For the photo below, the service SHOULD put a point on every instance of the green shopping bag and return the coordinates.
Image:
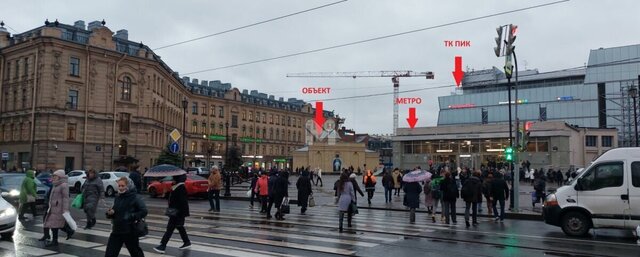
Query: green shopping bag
(78, 202)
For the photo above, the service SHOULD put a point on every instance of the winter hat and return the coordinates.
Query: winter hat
(353, 175)
(60, 173)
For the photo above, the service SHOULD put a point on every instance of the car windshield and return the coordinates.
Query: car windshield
(121, 174)
(16, 181)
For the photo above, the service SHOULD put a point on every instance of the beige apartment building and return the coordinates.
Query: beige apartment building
(80, 98)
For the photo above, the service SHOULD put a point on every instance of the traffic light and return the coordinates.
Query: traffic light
(527, 131)
(511, 37)
(497, 49)
(508, 154)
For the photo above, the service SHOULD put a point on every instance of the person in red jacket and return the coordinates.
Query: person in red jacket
(262, 189)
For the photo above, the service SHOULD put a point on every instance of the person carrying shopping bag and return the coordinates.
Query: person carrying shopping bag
(178, 211)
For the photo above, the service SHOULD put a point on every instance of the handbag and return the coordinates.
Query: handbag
(31, 199)
(141, 228)
(78, 202)
(312, 202)
(72, 223)
(171, 212)
(353, 208)
(249, 193)
(284, 207)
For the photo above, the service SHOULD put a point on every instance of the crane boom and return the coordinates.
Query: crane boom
(362, 74)
(394, 75)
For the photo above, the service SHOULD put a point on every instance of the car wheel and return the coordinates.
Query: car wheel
(575, 224)
(152, 192)
(77, 187)
(7, 236)
(110, 191)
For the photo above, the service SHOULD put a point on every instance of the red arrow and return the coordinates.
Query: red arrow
(319, 118)
(412, 117)
(458, 73)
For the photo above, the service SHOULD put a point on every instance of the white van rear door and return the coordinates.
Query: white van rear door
(633, 220)
(603, 189)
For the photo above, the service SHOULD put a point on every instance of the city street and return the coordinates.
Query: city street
(239, 230)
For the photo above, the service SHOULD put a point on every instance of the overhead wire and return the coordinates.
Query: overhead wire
(378, 38)
(250, 25)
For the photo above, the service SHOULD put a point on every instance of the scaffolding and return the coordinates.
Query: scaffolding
(622, 112)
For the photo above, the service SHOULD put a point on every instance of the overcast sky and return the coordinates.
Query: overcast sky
(549, 38)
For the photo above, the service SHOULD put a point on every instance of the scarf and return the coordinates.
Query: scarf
(60, 181)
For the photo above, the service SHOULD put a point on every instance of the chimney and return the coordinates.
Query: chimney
(185, 80)
(94, 25)
(195, 81)
(122, 34)
(245, 92)
(254, 92)
(271, 97)
(281, 99)
(204, 83)
(79, 24)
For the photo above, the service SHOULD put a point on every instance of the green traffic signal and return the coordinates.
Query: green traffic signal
(508, 153)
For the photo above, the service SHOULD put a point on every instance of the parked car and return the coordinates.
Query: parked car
(202, 171)
(7, 219)
(76, 179)
(46, 178)
(195, 185)
(604, 195)
(109, 181)
(10, 184)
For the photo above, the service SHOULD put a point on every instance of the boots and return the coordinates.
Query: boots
(341, 220)
(54, 238)
(412, 215)
(45, 236)
(349, 218)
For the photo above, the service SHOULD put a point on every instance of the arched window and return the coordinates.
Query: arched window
(125, 94)
(122, 147)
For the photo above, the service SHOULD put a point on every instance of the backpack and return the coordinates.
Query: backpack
(436, 193)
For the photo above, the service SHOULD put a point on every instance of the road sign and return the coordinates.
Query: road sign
(173, 147)
(5, 156)
(175, 135)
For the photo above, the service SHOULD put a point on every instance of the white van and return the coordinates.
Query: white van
(605, 195)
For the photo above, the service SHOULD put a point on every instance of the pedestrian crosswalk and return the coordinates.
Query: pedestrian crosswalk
(237, 231)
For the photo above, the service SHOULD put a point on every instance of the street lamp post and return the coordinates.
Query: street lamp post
(227, 177)
(184, 132)
(209, 150)
(633, 93)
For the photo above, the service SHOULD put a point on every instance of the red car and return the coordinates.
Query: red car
(196, 186)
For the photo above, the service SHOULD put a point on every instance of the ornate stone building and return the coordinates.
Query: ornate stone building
(79, 98)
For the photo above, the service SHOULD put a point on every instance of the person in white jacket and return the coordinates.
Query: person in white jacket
(318, 176)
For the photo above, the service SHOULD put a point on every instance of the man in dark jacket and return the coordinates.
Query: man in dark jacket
(499, 192)
(254, 181)
(450, 193)
(304, 190)
(272, 186)
(137, 179)
(178, 201)
(387, 183)
(280, 191)
(412, 192)
(472, 195)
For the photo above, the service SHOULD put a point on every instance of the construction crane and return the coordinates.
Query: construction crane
(394, 75)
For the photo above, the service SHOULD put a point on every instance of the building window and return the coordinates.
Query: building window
(24, 98)
(270, 118)
(194, 146)
(221, 112)
(213, 110)
(17, 69)
(26, 66)
(204, 109)
(71, 131)
(591, 140)
(250, 116)
(244, 130)
(204, 127)
(543, 113)
(607, 141)
(221, 128)
(234, 121)
(74, 66)
(125, 94)
(194, 109)
(485, 116)
(194, 126)
(264, 118)
(72, 100)
(125, 120)
(212, 129)
(244, 115)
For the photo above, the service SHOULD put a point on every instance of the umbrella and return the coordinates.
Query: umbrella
(164, 170)
(416, 176)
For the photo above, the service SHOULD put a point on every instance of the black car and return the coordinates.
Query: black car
(10, 184)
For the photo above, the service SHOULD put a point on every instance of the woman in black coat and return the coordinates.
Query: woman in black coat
(450, 193)
(280, 191)
(304, 190)
(127, 208)
(412, 192)
(177, 202)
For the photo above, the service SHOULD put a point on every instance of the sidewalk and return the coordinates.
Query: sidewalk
(324, 196)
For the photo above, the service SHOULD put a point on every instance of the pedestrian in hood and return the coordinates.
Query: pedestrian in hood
(369, 182)
(356, 188)
(450, 193)
(304, 190)
(346, 196)
(271, 186)
(58, 204)
(92, 192)
(499, 191)
(472, 196)
(127, 209)
(177, 200)
(28, 194)
(262, 189)
(215, 184)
